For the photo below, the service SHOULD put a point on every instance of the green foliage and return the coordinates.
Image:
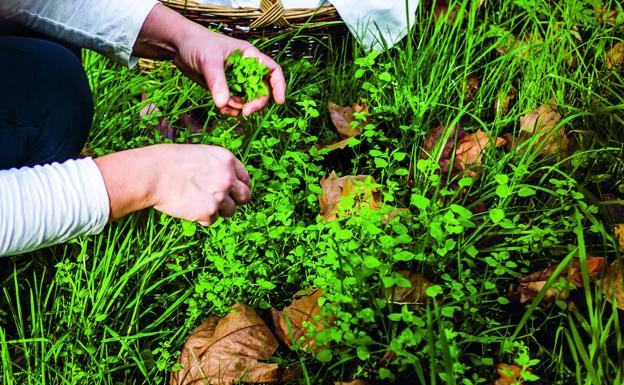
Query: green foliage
(117, 307)
(246, 76)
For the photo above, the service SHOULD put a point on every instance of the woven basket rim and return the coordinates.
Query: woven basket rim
(251, 12)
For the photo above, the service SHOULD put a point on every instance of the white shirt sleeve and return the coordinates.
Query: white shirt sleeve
(44, 205)
(110, 27)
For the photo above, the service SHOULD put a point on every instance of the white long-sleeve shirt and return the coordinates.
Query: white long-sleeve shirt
(44, 205)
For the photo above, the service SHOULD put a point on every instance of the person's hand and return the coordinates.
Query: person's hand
(200, 182)
(201, 54)
(188, 181)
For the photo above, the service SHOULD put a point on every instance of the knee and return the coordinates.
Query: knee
(52, 101)
(69, 102)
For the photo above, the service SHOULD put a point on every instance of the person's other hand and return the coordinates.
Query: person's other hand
(188, 181)
(199, 183)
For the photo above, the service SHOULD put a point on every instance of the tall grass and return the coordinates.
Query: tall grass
(117, 307)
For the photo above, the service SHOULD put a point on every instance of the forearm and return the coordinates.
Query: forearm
(160, 34)
(45, 205)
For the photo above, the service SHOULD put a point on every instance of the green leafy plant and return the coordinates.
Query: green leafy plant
(246, 76)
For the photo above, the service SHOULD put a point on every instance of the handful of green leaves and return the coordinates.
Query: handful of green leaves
(246, 76)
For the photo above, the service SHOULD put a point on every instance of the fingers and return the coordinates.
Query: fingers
(227, 207)
(227, 110)
(209, 215)
(240, 172)
(217, 84)
(276, 75)
(236, 102)
(241, 193)
(234, 107)
(255, 105)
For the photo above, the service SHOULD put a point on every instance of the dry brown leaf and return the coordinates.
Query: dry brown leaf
(414, 295)
(163, 126)
(542, 122)
(441, 8)
(364, 195)
(530, 285)
(339, 145)
(230, 350)
(395, 213)
(434, 136)
(606, 16)
(612, 285)
(472, 87)
(508, 374)
(470, 148)
(388, 357)
(615, 56)
(343, 118)
(504, 101)
(619, 234)
(521, 47)
(288, 324)
(334, 189)
(354, 382)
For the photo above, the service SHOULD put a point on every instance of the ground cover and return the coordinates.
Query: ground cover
(449, 219)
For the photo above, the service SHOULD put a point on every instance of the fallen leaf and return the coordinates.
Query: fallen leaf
(442, 7)
(530, 285)
(230, 350)
(504, 101)
(193, 122)
(354, 382)
(520, 47)
(469, 152)
(344, 118)
(388, 357)
(508, 375)
(288, 324)
(414, 295)
(615, 56)
(605, 15)
(612, 285)
(472, 87)
(395, 213)
(162, 125)
(338, 145)
(334, 189)
(619, 234)
(433, 137)
(542, 122)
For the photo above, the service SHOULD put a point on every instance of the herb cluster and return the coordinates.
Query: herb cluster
(246, 76)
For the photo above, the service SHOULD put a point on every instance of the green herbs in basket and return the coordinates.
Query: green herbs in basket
(246, 76)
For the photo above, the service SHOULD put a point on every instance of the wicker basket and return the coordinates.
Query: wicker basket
(307, 32)
(268, 20)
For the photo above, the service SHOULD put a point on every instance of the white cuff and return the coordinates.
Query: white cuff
(44, 205)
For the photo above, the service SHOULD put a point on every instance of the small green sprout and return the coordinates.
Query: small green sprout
(246, 76)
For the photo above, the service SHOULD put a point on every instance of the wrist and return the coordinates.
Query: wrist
(161, 34)
(131, 180)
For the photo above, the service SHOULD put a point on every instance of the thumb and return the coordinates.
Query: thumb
(215, 80)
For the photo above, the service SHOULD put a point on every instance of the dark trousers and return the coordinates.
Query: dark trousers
(46, 105)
